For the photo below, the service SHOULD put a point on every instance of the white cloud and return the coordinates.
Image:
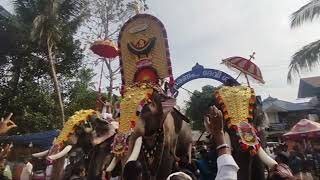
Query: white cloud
(206, 31)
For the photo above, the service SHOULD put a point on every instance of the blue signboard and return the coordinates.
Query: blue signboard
(198, 71)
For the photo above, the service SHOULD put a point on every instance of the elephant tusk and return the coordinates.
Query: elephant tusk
(136, 150)
(40, 154)
(99, 140)
(60, 154)
(112, 165)
(265, 158)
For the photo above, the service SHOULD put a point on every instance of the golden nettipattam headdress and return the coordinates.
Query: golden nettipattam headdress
(238, 104)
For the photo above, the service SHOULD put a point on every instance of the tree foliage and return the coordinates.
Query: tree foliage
(104, 22)
(308, 57)
(198, 105)
(26, 88)
(82, 95)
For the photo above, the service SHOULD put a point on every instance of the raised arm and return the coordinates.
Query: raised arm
(227, 167)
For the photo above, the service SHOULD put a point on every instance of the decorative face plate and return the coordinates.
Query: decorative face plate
(144, 47)
(238, 104)
(134, 98)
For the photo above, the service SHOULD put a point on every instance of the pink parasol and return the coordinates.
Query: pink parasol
(304, 129)
(245, 66)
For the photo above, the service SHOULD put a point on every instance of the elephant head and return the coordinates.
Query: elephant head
(80, 133)
(241, 114)
(156, 134)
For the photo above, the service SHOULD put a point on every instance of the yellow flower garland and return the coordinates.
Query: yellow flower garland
(70, 126)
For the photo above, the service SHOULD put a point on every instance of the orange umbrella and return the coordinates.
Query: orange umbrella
(105, 48)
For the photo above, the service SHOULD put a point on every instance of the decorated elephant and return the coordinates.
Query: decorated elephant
(159, 131)
(83, 133)
(242, 114)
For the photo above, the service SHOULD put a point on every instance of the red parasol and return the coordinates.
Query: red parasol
(245, 66)
(105, 48)
(304, 129)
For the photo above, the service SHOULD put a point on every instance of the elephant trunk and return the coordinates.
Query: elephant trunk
(40, 154)
(136, 150)
(264, 157)
(57, 169)
(60, 154)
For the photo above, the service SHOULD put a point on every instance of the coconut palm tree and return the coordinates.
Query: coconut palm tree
(308, 57)
(50, 18)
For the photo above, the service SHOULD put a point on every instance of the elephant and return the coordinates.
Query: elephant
(159, 135)
(83, 134)
(243, 114)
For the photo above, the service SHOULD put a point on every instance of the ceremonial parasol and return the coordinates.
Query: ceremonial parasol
(304, 129)
(245, 66)
(105, 48)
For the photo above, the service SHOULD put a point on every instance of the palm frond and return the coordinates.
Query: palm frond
(306, 58)
(37, 30)
(308, 12)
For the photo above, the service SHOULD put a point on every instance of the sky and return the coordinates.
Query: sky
(207, 31)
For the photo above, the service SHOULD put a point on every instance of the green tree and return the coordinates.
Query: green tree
(82, 95)
(26, 88)
(198, 104)
(307, 58)
(53, 17)
(107, 17)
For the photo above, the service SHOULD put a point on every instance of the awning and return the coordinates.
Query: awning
(42, 139)
(304, 129)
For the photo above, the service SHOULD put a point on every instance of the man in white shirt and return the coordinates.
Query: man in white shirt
(26, 171)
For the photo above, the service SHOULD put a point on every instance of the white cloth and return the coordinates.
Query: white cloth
(26, 172)
(180, 174)
(227, 168)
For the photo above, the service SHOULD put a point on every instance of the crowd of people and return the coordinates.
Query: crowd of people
(304, 162)
(212, 161)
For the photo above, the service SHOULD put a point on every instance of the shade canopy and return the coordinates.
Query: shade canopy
(304, 129)
(245, 66)
(42, 139)
(105, 48)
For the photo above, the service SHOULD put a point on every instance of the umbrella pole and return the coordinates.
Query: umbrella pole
(238, 75)
(247, 80)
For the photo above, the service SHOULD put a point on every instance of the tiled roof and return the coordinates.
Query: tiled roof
(274, 104)
(313, 81)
